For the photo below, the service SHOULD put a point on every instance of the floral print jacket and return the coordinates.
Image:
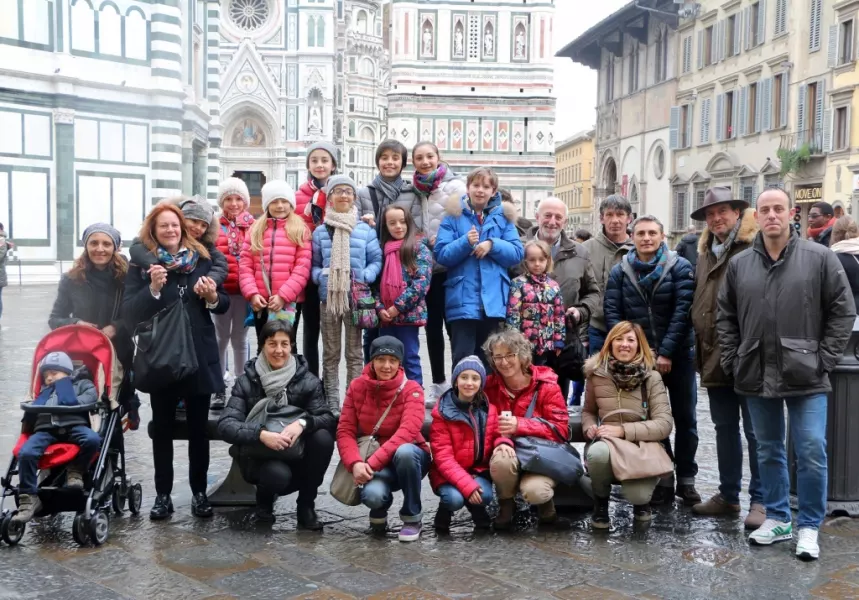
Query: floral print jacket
(412, 303)
(536, 308)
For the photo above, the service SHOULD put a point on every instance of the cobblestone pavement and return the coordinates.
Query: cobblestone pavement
(230, 556)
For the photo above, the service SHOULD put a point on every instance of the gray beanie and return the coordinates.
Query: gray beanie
(106, 229)
(328, 147)
(341, 179)
(56, 361)
(197, 208)
(233, 185)
(277, 189)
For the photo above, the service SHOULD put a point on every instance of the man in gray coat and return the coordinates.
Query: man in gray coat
(785, 315)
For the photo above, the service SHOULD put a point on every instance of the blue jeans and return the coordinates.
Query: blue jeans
(28, 458)
(682, 389)
(578, 390)
(409, 337)
(369, 336)
(726, 409)
(406, 471)
(596, 339)
(807, 417)
(451, 499)
(467, 337)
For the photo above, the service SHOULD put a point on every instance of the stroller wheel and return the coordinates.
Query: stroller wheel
(135, 498)
(80, 533)
(118, 500)
(11, 531)
(99, 526)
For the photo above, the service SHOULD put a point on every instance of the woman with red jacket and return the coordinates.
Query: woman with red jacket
(235, 220)
(403, 458)
(310, 205)
(464, 434)
(275, 261)
(514, 384)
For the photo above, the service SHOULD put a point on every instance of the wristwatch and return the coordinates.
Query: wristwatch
(303, 423)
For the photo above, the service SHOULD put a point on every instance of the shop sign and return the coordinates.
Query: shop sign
(806, 195)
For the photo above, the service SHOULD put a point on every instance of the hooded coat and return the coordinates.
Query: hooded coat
(231, 284)
(477, 288)
(604, 254)
(436, 202)
(550, 405)
(709, 275)
(304, 196)
(687, 247)
(286, 264)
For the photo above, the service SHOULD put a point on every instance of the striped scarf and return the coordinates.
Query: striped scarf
(340, 267)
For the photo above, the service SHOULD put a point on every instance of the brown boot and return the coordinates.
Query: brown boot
(506, 509)
(756, 517)
(716, 505)
(74, 479)
(547, 515)
(28, 506)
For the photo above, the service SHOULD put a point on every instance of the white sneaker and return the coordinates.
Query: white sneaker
(772, 531)
(806, 546)
(436, 391)
(229, 380)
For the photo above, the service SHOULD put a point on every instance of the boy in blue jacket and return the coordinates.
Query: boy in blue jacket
(478, 243)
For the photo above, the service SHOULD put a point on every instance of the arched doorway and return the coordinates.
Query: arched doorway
(609, 179)
(254, 180)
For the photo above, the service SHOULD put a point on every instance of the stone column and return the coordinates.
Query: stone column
(213, 91)
(187, 163)
(64, 164)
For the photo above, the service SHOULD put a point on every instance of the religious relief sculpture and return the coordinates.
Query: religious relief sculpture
(428, 43)
(458, 42)
(314, 122)
(488, 41)
(248, 134)
(519, 50)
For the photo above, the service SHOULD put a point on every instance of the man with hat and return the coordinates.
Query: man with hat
(731, 228)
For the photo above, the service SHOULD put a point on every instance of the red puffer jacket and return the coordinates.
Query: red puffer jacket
(303, 197)
(550, 403)
(230, 242)
(287, 265)
(463, 438)
(366, 400)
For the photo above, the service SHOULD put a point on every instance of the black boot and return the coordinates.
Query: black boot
(265, 507)
(442, 519)
(688, 494)
(642, 512)
(480, 517)
(662, 496)
(162, 508)
(218, 402)
(307, 518)
(200, 506)
(600, 519)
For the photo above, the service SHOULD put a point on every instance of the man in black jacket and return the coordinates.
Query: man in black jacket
(785, 315)
(687, 247)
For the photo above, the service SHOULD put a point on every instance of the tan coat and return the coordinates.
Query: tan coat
(709, 275)
(603, 396)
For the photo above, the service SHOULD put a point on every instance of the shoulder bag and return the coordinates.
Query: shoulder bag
(343, 487)
(274, 419)
(164, 352)
(362, 305)
(557, 460)
(637, 460)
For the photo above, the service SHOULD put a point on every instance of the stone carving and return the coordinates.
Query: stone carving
(519, 51)
(458, 41)
(428, 43)
(488, 41)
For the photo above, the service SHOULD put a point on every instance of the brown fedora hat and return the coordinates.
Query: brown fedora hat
(718, 195)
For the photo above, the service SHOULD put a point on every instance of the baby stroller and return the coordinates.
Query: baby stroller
(106, 485)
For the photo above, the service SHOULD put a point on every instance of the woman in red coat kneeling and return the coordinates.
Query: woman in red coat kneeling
(464, 435)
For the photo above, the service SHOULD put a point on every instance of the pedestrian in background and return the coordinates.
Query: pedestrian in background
(582, 235)
(5, 246)
(821, 219)
(687, 247)
(845, 244)
(785, 316)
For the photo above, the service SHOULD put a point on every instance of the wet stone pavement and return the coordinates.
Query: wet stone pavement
(230, 556)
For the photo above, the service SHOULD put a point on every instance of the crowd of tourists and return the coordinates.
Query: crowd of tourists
(761, 319)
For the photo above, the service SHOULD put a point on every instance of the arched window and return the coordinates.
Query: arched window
(366, 67)
(311, 32)
(352, 175)
(83, 26)
(351, 155)
(320, 32)
(367, 135)
(351, 128)
(136, 38)
(361, 22)
(109, 30)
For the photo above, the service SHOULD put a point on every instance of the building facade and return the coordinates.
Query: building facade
(574, 165)
(476, 79)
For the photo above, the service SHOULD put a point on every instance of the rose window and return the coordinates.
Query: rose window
(249, 15)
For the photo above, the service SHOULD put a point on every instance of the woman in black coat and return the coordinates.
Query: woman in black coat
(845, 244)
(180, 270)
(275, 372)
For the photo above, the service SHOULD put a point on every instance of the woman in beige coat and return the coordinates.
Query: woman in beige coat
(615, 408)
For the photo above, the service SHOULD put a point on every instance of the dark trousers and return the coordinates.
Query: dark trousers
(412, 346)
(436, 325)
(308, 311)
(279, 478)
(261, 318)
(163, 423)
(682, 389)
(550, 360)
(727, 408)
(370, 336)
(34, 448)
(467, 338)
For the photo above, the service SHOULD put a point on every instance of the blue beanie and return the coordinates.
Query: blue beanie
(56, 361)
(470, 363)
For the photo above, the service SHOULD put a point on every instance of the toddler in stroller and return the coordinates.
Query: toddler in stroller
(61, 387)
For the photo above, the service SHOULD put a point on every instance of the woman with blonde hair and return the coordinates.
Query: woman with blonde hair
(845, 244)
(625, 399)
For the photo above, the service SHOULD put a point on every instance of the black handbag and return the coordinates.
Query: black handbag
(557, 460)
(164, 348)
(571, 361)
(275, 420)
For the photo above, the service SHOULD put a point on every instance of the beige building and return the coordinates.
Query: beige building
(574, 167)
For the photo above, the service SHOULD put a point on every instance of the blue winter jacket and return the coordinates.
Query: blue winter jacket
(364, 251)
(477, 288)
(665, 315)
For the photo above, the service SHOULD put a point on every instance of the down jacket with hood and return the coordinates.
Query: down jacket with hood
(463, 436)
(664, 315)
(476, 289)
(436, 203)
(243, 224)
(412, 303)
(304, 196)
(408, 199)
(366, 400)
(365, 255)
(550, 406)
(602, 396)
(286, 264)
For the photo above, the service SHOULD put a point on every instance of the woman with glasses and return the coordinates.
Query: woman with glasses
(514, 384)
(345, 251)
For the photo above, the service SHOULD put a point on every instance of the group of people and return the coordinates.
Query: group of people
(762, 317)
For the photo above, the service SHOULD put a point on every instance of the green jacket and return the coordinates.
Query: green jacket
(604, 254)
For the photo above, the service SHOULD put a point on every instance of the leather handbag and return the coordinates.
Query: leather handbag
(557, 460)
(275, 419)
(164, 352)
(637, 460)
(343, 486)
(571, 361)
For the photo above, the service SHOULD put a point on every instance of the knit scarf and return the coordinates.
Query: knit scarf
(649, 272)
(184, 261)
(274, 381)
(720, 249)
(318, 201)
(626, 376)
(390, 189)
(60, 393)
(235, 231)
(426, 184)
(541, 286)
(340, 269)
(392, 274)
(814, 232)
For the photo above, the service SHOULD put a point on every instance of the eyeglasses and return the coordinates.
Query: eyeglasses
(505, 359)
(343, 193)
(814, 215)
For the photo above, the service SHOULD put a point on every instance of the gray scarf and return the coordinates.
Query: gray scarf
(390, 189)
(340, 266)
(274, 383)
(720, 249)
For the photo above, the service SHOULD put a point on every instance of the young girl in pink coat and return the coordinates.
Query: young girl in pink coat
(275, 263)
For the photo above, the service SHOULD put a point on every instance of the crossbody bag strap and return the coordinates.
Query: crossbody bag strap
(387, 410)
(375, 200)
(530, 412)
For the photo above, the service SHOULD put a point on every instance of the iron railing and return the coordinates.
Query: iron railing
(813, 138)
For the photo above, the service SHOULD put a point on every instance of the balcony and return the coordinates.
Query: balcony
(808, 138)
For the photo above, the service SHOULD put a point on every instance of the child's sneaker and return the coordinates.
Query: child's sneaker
(74, 479)
(411, 532)
(806, 546)
(770, 532)
(28, 506)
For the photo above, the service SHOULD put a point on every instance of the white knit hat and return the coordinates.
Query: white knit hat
(233, 185)
(277, 189)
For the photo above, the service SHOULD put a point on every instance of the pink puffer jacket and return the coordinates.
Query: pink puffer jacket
(287, 265)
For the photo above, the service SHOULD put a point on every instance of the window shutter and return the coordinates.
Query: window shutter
(785, 99)
(734, 115)
(754, 194)
(738, 33)
(800, 109)
(833, 46)
(747, 19)
(780, 16)
(743, 105)
(720, 117)
(687, 54)
(705, 120)
(723, 41)
(674, 128)
(819, 123)
(814, 29)
(759, 104)
(700, 50)
(765, 102)
(762, 21)
(827, 130)
(690, 108)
